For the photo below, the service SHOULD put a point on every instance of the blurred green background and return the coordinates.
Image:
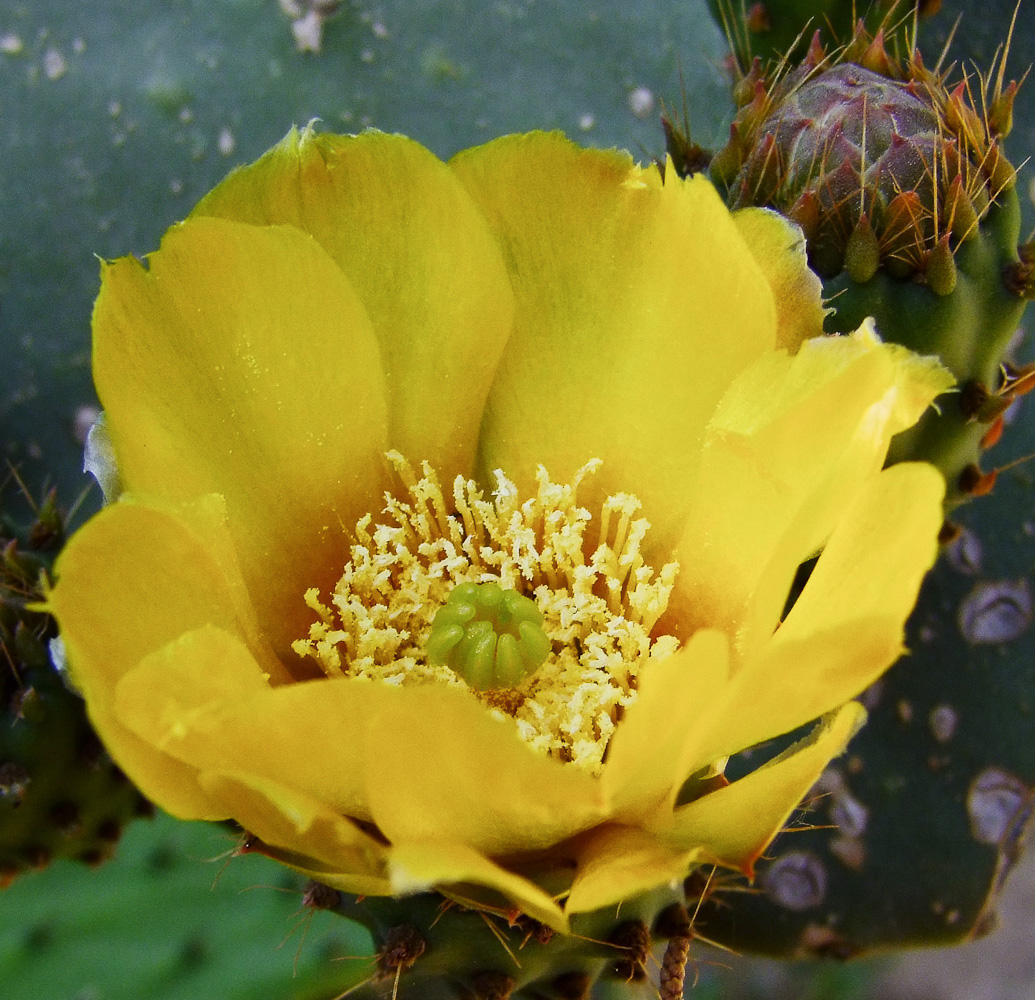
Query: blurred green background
(115, 117)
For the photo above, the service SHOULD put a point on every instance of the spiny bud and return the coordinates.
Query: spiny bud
(941, 268)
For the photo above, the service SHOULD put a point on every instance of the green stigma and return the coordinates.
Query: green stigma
(491, 637)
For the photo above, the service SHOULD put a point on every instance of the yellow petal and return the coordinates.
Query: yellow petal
(240, 362)
(878, 554)
(467, 777)
(734, 825)
(846, 627)
(302, 832)
(177, 696)
(351, 745)
(620, 862)
(419, 256)
(790, 446)
(421, 865)
(644, 756)
(156, 575)
(637, 303)
(779, 247)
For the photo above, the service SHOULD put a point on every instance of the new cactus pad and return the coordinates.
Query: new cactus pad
(60, 794)
(899, 179)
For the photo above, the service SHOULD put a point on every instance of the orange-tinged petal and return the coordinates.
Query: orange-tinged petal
(302, 832)
(159, 574)
(735, 824)
(779, 247)
(416, 866)
(420, 257)
(846, 627)
(637, 304)
(644, 755)
(240, 362)
(619, 862)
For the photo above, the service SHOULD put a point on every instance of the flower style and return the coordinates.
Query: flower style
(461, 508)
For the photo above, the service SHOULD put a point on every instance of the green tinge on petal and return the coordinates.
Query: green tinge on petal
(241, 362)
(637, 303)
(779, 247)
(733, 825)
(421, 259)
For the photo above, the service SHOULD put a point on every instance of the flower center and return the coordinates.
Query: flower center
(541, 610)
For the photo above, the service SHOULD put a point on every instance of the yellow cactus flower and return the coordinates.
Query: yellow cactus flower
(461, 505)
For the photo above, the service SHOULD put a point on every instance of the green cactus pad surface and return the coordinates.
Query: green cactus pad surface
(172, 918)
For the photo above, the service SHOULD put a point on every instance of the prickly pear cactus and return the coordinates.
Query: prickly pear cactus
(176, 916)
(909, 206)
(60, 794)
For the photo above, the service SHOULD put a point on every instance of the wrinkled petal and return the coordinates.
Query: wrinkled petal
(468, 776)
(164, 573)
(735, 824)
(627, 291)
(241, 362)
(420, 258)
(620, 862)
(779, 247)
(352, 745)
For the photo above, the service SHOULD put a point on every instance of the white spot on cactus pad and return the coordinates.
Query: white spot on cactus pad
(54, 65)
(993, 800)
(641, 102)
(943, 720)
(82, 420)
(226, 142)
(796, 881)
(995, 611)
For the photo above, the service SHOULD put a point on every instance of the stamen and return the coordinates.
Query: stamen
(503, 598)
